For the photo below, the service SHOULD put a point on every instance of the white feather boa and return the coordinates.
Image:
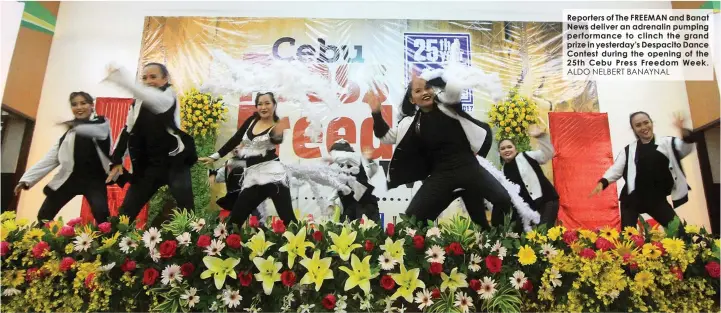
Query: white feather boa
(291, 80)
(319, 174)
(527, 214)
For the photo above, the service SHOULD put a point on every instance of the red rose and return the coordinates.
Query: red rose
(149, 276)
(329, 302)
(40, 248)
(436, 293)
(203, 241)
(570, 236)
(31, 273)
(90, 281)
(387, 282)
(187, 269)
(713, 269)
(588, 253)
(67, 231)
(245, 278)
(105, 227)
(75, 221)
(288, 278)
(528, 286)
(253, 221)
(435, 268)
(369, 246)
(638, 240)
(128, 266)
(390, 229)
(4, 248)
(633, 266)
(278, 226)
(167, 249)
(317, 235)
(603, 244)
(233, 241)
(419, 242)
(660, 247)
(454, 249)
(493, 264)
(66, 263)
(678, 272)
(475, 284)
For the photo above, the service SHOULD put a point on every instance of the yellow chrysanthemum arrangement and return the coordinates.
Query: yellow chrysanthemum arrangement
(512, 116)
(201, 113)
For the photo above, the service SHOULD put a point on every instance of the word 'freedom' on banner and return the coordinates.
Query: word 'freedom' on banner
(637, 45)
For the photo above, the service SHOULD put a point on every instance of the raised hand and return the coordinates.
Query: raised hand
(535, 130)
(678, 120)
(373, 100)
(368, 153)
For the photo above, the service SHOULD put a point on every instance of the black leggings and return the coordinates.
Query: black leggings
(144, 187)
(659, 209)
(93, 190)
(249, 199)
(437, 192)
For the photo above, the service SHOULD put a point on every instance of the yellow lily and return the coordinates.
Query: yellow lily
(360, 275)
(258, 245)
(296, 245)
(454, 281)
(343, 244)
(318, 270)
(408, 282)
(219, 269)
(395, 249)
(268, 274)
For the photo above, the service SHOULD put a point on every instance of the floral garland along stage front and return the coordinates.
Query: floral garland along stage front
(197, 263)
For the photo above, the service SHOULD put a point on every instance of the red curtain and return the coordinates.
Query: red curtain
(116, 110)
(583, 153)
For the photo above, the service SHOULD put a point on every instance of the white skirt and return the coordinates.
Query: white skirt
(268, 172)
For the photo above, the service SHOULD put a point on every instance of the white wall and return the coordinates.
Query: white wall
(89, 34)
(11, 13)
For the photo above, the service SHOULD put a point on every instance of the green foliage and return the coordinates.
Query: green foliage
(673, 227)
(506, 299)
(179, 221)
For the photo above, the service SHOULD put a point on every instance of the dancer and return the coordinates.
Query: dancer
(265, 176)
(82, 153)
(437, 142)
(651, 168)
(361, 201)
(231, 173)
(160, 152)
(524, 170)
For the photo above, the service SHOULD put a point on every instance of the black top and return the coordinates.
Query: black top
(443, 142)
(86, 160)
(653, 179)
(511, 171)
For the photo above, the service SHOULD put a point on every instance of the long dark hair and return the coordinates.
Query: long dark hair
(407, 107)
(163, 71)
(630, 121)
(275, 105)
(88, 98)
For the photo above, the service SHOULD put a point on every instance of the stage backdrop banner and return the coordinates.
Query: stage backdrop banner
(356, 54)
(583, 153)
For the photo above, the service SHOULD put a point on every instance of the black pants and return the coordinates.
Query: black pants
(437, 192)
(249, 199)
(549, 212)
(354, 210)
(144, 187)
(93, 189)
(658, 208)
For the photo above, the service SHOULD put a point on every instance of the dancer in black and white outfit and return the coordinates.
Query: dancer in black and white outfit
(82, 153)
(231, 173)
(265, 176)
(651, 168)
(161, 153)
(437, 142)
(524, 169)
(361, 201)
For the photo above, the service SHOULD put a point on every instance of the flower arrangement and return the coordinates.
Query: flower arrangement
(512, 117)
(199, 263)
(201, 113)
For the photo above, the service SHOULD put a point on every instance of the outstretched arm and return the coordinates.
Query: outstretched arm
(154, 99)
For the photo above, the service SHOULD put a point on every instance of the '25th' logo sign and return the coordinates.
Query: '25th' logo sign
(431, 50)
